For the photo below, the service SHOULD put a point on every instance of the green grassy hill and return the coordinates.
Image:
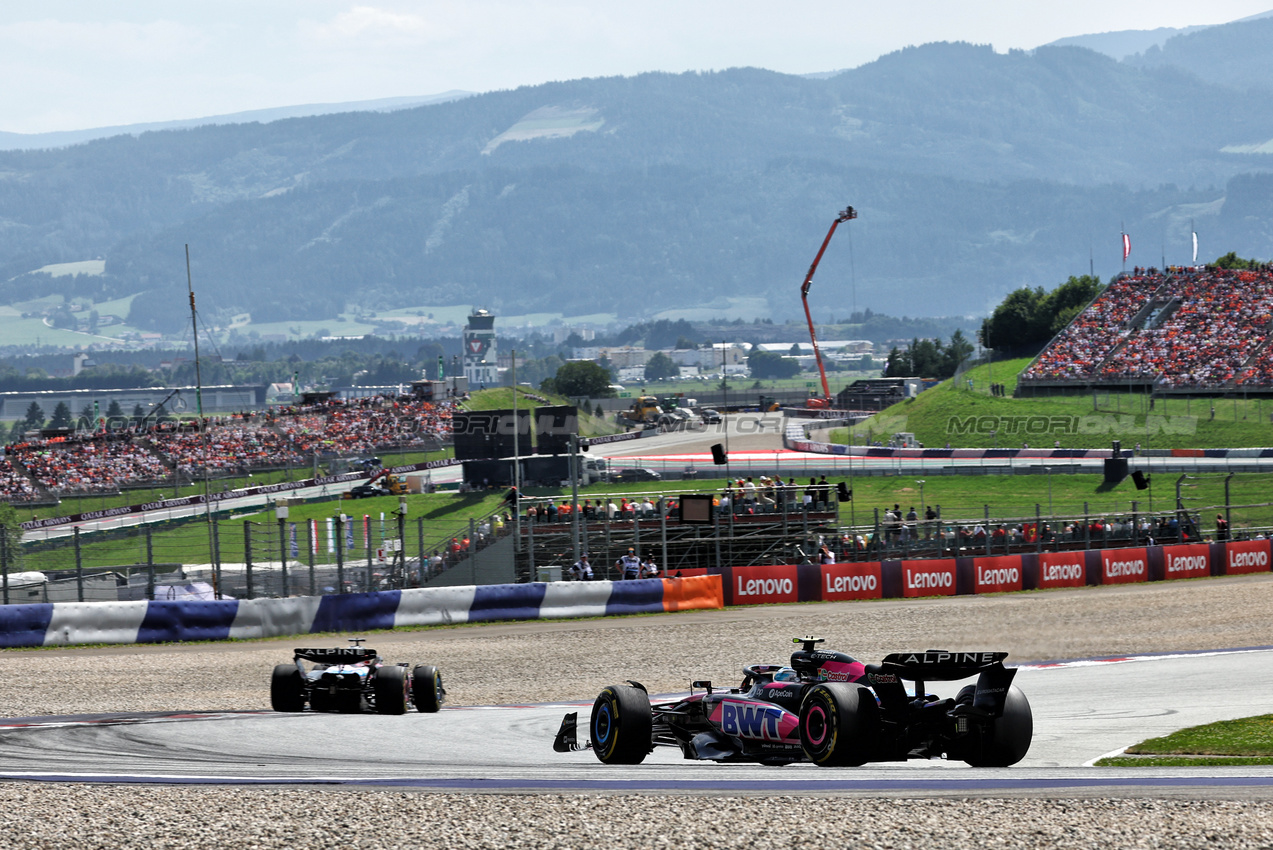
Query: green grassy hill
(965, 416)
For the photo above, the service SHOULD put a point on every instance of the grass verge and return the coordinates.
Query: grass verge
(1245, 741)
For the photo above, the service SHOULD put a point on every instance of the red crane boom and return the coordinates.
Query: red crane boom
(848, 214)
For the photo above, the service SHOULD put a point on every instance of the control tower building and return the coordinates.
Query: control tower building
(479, 351)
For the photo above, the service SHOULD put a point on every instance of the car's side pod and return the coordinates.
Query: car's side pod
(567, 740)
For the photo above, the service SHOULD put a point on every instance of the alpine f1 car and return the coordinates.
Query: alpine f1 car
(351, 679)
(825, 707)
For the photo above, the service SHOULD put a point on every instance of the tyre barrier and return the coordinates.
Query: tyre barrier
(76, 623)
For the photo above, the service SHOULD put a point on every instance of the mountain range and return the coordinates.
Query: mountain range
(973, 173)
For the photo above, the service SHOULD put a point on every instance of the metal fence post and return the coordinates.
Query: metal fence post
(989, 535)
(340, 552)
(663, 532)
(473, 549)
(4, 560)
(716, 534)
(1038, 527)
(216, 557)
(530, 550)
(282, 552)
(79, 566)
(247, 555)
(309, 547)
(366, 535)
(419, 535)
(150, 563)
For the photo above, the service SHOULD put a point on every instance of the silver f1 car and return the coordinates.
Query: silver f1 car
(350, 679)
(825, 707)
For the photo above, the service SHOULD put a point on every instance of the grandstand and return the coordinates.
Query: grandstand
(43, 468)
(1186, 330)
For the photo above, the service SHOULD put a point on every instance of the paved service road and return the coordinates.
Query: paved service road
(1082, 710)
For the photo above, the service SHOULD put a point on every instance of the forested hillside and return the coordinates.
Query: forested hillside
(974, 173)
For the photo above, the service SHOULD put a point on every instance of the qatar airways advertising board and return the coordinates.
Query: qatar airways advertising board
(1192, 560)
(997, 575)
(851, 581)
(1124, 566)
(1062, 569)
(762, 585)
(1246, 556)
(928, 578)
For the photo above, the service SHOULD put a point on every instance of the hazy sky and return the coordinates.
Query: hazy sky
(77, 64)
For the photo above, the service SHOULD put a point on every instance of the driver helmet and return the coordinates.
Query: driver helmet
(786, 674)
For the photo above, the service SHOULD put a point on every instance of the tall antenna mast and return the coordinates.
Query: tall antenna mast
(203, 431)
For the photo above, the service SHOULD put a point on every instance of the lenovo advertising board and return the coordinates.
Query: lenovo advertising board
(928, 578)
(1124, 566)
(1062, 569)
(762, 585)
(851, 581)
(997, 575)
(1246, 556)
(1193, 560)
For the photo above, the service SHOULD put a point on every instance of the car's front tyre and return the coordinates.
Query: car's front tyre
(620, 725)
(426, 688)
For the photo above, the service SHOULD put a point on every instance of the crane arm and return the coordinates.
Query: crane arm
(848, 214)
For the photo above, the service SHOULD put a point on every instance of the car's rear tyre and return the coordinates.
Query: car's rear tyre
(287, 692)
(620, 725)
(426, 688)
(390, 688)
(1006, 739)
(839, 724)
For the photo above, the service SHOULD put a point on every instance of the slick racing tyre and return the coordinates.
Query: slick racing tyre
(287, 692)
(1006, 739)
(621, 724)
(838, 724)
(426, 688)
(390, 688)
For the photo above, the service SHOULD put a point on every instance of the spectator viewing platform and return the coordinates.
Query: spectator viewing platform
(1185, 330)
(134, 456)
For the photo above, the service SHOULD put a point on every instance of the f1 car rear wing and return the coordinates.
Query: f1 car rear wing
(338, 655)
(939, 665)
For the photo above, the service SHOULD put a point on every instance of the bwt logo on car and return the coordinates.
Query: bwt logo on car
(923, 581)
(1186, 563)
(764, 586)
(1114, 569)
(850, 584)
(1010, 575)
(1249, 559)
(1062, 572)
(750, 721)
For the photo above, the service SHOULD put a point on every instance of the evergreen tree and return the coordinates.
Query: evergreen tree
(34, 417)
(61, 416)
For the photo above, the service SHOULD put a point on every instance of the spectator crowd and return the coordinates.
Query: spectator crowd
(106, 461)
(1191, 328)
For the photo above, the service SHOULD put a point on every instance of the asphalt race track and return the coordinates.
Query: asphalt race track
(1082, 711)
